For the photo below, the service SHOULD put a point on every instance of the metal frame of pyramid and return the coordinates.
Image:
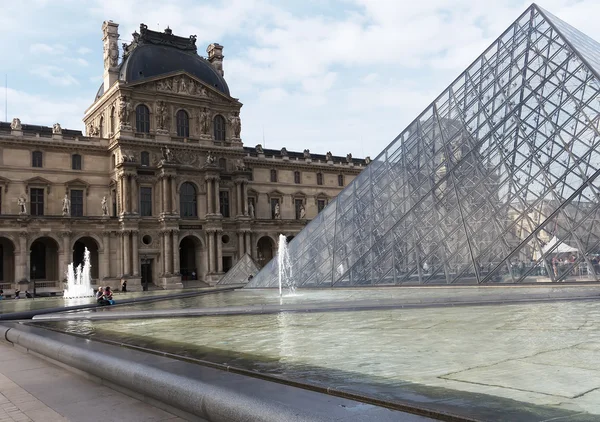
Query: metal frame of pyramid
(503, 161)
(238, 274)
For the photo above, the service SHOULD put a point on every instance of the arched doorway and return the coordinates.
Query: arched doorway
(7, 260)
(289, 238)
(79, 249)
(44, 259)
(266, 250)
(190, 258)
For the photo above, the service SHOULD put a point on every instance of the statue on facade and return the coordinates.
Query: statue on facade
(284, 152)
(164, 85)
(56, 129)
(259, 149)
(94, 130)
(302, 212)
(127, 158)
(124, 110)
(22, 205)
(202, 90)
(162, 115)
(367, 160)
(167, 154)
(236, 124)
(251, 210)
(204, 121)
(240, 165)
(104, 207)
(349, 158)
(306, 154)
(276, 212)
(16, 124)
(66, 206)
(182, 88)
(210, 158)
(329, 156)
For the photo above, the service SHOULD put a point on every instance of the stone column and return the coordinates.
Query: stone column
(211, 251)
(67, 255)
(163, 189)
(135, 196)
(217, 190)
(21, 261)
(248, 237)
(240, 244)
(127, 194)
(105, 263)
(176, 252)
(121, 268)
(209, 196)
(134, 253)
(245, 200)
(168, 252)
(219, 252)
(238, 198)
(173, 197)
(126, 252)
(120, 194)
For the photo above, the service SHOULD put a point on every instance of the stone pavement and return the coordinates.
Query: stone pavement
(32, 389)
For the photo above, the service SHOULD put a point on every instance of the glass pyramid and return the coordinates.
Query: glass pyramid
(239, 273)
(496, 181)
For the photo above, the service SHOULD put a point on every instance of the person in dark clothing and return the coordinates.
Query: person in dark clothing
(124, 286)
(28, 295)
(100, 297)
(107, 296)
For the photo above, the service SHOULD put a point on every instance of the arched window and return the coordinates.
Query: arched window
(101, 128)
(142, 119)
(145, 158)
(274, 176)
(36, 159)
(187, 200)
(76, 162)
(319, 179)
(219, 126)
(112, 121)
(340, 180)
(183, 124)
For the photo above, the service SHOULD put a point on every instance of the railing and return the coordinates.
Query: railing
(42, 284)
(6, 286)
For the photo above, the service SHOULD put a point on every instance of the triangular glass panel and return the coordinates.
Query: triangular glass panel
(241, 272)
(484, 186)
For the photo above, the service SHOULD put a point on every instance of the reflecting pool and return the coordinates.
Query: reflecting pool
(532, 361)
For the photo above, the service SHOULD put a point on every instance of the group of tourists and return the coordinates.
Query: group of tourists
(17, 294)
(104, 296)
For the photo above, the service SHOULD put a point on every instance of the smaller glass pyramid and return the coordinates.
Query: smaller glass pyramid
(496, 181)
(240, 272)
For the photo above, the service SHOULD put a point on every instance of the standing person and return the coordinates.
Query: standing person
(124, 286)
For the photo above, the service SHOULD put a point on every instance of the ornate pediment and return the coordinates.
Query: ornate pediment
(37, 181)
(77, 183)
(182, 83)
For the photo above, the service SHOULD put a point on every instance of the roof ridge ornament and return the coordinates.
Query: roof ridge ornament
(147, 36)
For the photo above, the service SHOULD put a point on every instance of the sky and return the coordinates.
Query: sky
(345, 76)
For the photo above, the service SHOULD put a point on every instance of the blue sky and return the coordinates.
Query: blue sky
(339, 75)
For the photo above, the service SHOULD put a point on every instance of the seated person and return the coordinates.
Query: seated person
(100, 297)
(108, 296)
(17, 293)
(28, 295)
(1, 294)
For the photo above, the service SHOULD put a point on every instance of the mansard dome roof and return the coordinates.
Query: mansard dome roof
(153, 53)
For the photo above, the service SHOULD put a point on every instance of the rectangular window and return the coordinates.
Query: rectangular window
(319, 179)
(340, 180)
(320, 205)
(297, 177)
(275, 211)
(146, 201)
(224, 203)
(76, 162)
(273, 176)
(36, 198)
(36, 159)
(298, 203)
(76, 203)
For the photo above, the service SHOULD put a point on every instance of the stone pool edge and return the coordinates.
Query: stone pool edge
(213, 395)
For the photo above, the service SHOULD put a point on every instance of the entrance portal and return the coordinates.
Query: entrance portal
(266, 248)
(44, 259)
(189, 258)
(7, 260)
(78, 252)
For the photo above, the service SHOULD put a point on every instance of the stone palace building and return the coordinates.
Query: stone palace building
(160, 189)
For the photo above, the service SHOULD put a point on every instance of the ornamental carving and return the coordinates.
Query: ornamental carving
(204, 121)
(124, 111)
(329, 156)
(236, 124)
(15, 124)
(56, 129)
(186, 158)
(259, 149)
(162, 116)
(183, 85)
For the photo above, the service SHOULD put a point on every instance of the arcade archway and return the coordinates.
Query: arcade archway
(44, 259)
(190, 258)
(7, 260)
(78, 252)
(265, 249)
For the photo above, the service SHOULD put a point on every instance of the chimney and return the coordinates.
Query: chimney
(110, 37)
(215, 56)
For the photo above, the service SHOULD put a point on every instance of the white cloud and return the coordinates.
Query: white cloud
(41, 48)
(84, 50)
(55, 75)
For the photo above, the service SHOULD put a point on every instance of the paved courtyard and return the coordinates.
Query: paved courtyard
(32, 389)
